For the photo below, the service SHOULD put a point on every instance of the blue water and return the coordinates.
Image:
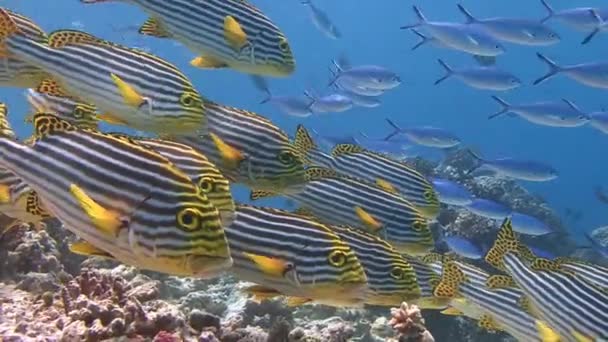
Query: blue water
(371, 35)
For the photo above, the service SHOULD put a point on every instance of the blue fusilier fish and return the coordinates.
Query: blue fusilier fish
(452, 193)
(597, 245)
(367, 76)
(397, 147)
(579, 18)
(599, 120)
(461, 37)
(300, 106)
(463, 247)
(593, 74)
(529, 225)
(514, 30)
(425, 135)
(361, 100)
(332, 103)
(528, 170)
(322, 21)
(488, 209)
(481, 77)
(548, 113)
(352, 86)
(601, 26)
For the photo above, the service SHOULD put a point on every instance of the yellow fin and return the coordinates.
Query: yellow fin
(155, 28)
(61, 38)
(234, 34)
(303, 142)
(45, 124)
(368, 220)
(451, 278)
(546, 333)
(297, 301)
(8, 27)
(580, 337)
(230, 155)
(105, 220)
(208, 62)
(487, 322)
(260, 292)
(111, 119)
(257, 194)
(318, 173)
(271, 266)
(305, 212)
(525, 304)
(499, 281)
(129, 94)
(5, 194)
(87, 249)
(342, 149)
(452, 311)
(386, 186)
(50, 87)
(541, 264)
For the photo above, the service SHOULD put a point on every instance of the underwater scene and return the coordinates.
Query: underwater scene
(303, 170)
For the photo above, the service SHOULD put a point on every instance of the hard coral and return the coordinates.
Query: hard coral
(408, 322)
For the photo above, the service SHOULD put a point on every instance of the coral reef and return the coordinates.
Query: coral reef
(408, 322)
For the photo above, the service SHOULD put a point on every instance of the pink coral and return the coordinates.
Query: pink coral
(408, 321)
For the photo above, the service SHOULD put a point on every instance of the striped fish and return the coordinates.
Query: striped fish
(17, 200)
(292, 255)
(498, 308)
(15, 72)
(263, 157)
(129, 86)
(342, 200)
(223, 33)
(593, 273)
(428, 273)
(576, 309)
(121, 198)
(79, 114)
(393, 175)
(391, 279)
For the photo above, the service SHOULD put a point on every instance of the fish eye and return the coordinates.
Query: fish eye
(284, 45)
(287, 157)
(78, 112)
(418, 225)
(206, 184)
(188, 218)
(397, 273)
(337, 258)
(188, 100)
(429, 195)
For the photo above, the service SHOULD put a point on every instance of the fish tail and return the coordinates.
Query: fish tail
(550, 11)
(469, 17)
(396, 129)
(448, 71)
(423, 39)
(421, 19)
(505, 107)
(336, 74)
(554, 69)
(597, 29)
(477, 157)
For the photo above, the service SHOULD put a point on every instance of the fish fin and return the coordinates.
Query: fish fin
(234, 34)
(257, 194)
(525, 304)
(542, 264)
(550, 11)
(448, 71)
(386, 186)
(47, 124)
(8, 28)
(111, 119)
(433, 257)
(452, 311)
(597, 29)
(506, 242)
(5, 194)
(305, 212)
(488, 323)
(343, 149)
(260, 292)
(554, 69)
(579, 337)
(317, 173)
(421, 19)
(84, 248)
(297, 301)
(499, 281)
(368, 220)
(470, 19)
(34, 206)
(396, 129)
(60, 38)
(303, 141)
(506, 107)
(129, 94)
(271, 266)
(154, 27)
(231, 156)
(423, 39)
(104, 219)
(451, 278)
(51, 87)
(208, 62)
(545, 332)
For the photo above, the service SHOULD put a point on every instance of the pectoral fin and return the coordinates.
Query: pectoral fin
(130, 96)
(155, 28)
(271, 266)
(230, 155)
(208, 62)
(368, 220)
(234, 34)
(5, 194)
(86, 249)
(105, 220)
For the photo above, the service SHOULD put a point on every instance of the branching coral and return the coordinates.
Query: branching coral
(408, 322)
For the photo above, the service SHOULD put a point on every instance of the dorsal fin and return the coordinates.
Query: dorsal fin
(342, 149)
(155, 28)
(61, 38)
(46, 124)
(451, 278)
(6, 131)
(303, 141)
(500, 281)
(51, 87)
(317, 173)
